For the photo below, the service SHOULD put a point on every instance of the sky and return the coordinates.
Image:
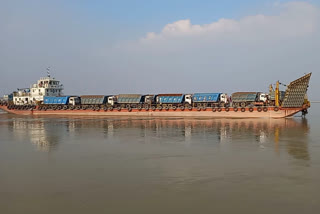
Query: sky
(168, 46)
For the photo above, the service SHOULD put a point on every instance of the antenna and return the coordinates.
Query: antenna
(48, 71)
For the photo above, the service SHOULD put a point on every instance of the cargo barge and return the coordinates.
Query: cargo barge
(46, 98)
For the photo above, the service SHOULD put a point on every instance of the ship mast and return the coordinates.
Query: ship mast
(48, 71)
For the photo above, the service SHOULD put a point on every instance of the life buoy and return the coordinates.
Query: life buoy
(243, 109)
(235, 109)
(214, 109)
(265, 109)
(227, 109)
(276, 109)
(251, 109)
(219, 109)
(259, 109)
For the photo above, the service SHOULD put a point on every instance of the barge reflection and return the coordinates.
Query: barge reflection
(47, 133)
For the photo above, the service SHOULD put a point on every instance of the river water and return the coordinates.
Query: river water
(156, 165)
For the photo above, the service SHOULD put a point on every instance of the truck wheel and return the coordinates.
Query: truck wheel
(243, 109)
(214, 109)
(166, 108)
(219, 109)
(182, 108)
(160, 108)
(251, 109)
(259, 109)
(265, 109)
(276, 109)
(110, 108)
(227, 109)
(119, 108)
(174, 108)
(235, 109)
(190, 108)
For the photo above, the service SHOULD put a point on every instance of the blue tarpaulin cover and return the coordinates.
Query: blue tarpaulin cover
(56, 100)
(205, 97)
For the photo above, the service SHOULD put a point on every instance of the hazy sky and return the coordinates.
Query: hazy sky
(112, 47)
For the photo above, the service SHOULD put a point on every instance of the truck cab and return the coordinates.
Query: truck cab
(188, 99)
(112, 100)
(223, 98)
(74, 101)
(262, 97)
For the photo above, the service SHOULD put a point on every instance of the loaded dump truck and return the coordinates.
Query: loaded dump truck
(174, 99)
(129, 100)
(243, 99)
(62, 102)
(210, 99)
(272, 97)
(93, 101)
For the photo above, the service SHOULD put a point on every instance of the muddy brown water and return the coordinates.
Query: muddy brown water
(157, 165)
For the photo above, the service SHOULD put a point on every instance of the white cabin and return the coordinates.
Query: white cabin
(46, 86)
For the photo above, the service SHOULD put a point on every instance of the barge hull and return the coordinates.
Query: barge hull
(208, 113)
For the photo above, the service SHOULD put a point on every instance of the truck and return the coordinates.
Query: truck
(243, 99)
(272, 97)
(129, 100)
(210, 99)
(173, 101)
(62, 102)
(93, 100)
